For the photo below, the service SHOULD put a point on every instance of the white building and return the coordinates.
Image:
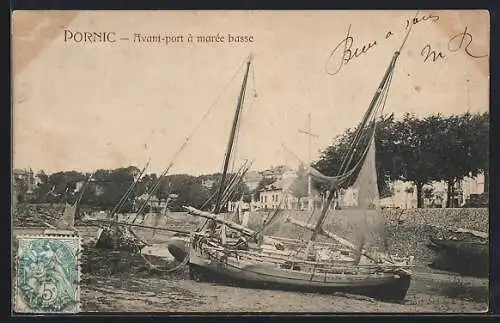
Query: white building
(279, 193)
(473, 186)
(275, 196)
(405, 193)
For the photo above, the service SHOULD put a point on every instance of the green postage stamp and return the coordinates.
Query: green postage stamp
(47, 274)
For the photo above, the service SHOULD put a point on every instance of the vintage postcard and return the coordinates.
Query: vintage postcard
(250, 161)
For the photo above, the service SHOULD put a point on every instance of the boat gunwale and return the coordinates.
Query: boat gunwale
(346, 278)
(234, 252)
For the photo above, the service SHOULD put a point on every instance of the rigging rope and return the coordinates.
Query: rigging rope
(228, 190)
(370, 118)
(408, 32)
(242, 120)
(117, 207)
(188, 138)
(77, 202)
(182, 147)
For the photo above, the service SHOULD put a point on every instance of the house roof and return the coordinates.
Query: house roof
(275, 171)
(276, 186)
(253, 176)
(280, 184)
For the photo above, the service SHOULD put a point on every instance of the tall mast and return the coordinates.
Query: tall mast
(231, 138)
(345, 164)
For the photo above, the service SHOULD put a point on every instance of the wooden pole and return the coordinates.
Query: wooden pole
(231, 139)
(216, 218)
(334, 237)
(117, 223)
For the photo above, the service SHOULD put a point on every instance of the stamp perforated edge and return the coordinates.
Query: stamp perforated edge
(16, 268)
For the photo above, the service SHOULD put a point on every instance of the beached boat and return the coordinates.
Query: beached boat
(338, 265)
(462, 251)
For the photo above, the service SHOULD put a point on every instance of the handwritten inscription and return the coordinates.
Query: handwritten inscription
(460, 41)
(430, 54)
(463, 41)
(346, 50)
(349, 49)
(344, 56)
(416, 20)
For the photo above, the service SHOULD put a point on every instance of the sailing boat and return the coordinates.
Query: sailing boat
(352, 267)
(178, 245)
(115, 235)
(71, 211)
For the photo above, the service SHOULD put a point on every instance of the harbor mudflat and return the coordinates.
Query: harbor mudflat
(117, 281)
(429, 292)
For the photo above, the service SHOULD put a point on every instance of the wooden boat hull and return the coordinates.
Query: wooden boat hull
(464, 257)
(388, 286)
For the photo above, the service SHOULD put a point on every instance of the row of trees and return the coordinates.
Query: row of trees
(107, 187)
(421, 150)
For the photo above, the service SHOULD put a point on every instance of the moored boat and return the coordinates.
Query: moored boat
(352, 258)
(348, 267)
(468, 256)
(254, 269)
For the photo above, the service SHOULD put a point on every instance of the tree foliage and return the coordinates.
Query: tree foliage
(332, 158)
(189, 190)
(109, 186)
(299, 187)
(463, 149)
(421, 150)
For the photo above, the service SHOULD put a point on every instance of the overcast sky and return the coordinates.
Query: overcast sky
(99, 105)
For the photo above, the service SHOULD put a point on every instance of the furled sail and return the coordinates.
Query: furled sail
(350, 209)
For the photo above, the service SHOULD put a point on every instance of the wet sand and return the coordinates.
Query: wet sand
(133, 287)
(123, 289)
(429, 292)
